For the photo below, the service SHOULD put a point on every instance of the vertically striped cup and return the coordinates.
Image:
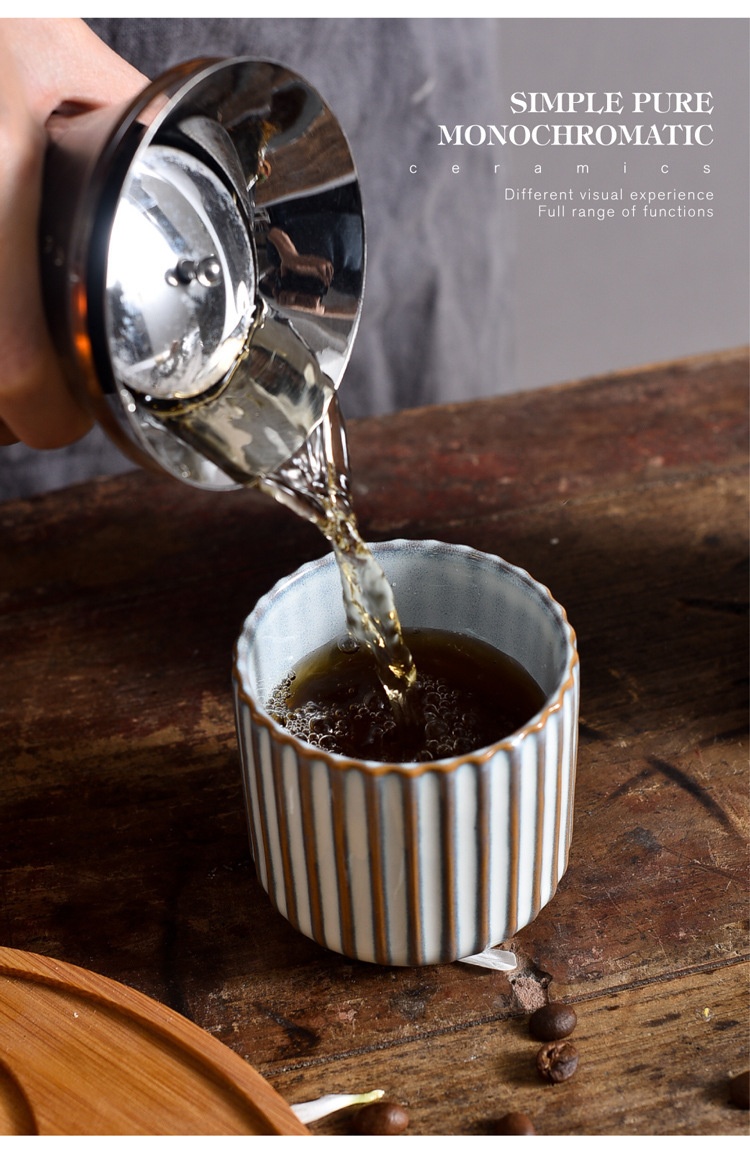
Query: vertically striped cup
(411, 864)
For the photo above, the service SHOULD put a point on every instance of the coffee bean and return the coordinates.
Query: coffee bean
(553, 1021)
(739, 1090)
(513, 1123)
(557, 1061)
(380, 1118)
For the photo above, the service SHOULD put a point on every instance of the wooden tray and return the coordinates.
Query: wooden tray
(82, 1054)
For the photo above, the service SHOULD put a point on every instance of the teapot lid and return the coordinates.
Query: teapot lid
(219, 241)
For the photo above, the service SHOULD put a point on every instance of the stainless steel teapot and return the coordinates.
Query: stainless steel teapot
(203, 259)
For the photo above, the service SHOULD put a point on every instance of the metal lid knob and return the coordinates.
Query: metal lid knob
(180, 291)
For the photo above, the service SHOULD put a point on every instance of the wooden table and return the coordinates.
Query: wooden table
(123, 844)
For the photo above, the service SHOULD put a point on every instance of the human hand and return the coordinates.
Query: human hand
(305, 264)
(48, 68)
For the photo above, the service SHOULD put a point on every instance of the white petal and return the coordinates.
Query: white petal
(492, 959)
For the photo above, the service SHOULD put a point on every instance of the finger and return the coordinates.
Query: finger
(6, 436)
(63, 63)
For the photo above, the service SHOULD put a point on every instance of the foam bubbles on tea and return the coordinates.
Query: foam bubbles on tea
(467, 695)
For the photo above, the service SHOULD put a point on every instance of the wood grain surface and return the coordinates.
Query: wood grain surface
(123, 845)
(81, 1054)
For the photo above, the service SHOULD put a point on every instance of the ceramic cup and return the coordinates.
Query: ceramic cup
(411, 864)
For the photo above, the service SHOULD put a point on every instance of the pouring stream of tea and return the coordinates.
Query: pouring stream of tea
(315, 483)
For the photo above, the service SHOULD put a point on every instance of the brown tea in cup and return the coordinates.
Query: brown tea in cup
(467, 695)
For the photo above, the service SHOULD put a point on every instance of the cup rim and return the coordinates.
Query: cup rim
(411, 769)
